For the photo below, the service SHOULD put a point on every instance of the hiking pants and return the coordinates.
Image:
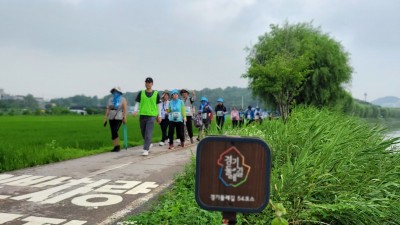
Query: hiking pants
(178, 126)
(189, 126)
(146, 127)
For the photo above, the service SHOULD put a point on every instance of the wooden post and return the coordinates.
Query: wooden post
(229, 218)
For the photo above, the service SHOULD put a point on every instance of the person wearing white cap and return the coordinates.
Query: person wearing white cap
(116, 111)
(148, 104)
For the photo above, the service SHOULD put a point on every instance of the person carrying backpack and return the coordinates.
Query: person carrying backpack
(177, 119)
(205, 111)
(220, 110)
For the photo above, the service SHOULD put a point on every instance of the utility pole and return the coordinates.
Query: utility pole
(365, 97)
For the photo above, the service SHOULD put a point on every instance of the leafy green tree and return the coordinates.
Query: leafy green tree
(30, 102)
(298, 64)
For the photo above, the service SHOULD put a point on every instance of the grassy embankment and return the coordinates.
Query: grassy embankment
(327, 169)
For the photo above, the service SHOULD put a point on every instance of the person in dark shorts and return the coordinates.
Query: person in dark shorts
(116, 111)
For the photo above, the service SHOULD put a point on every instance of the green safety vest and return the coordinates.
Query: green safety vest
(148, 106)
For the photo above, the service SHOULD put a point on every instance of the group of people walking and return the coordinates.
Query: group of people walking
(174, 115)
(172, 110)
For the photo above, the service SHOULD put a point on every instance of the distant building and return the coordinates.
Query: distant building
(78, 110)
(18, 97)
(1, 94)
(5, 96)
(42, 103)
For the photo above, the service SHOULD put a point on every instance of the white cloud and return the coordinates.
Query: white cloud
(213, 13)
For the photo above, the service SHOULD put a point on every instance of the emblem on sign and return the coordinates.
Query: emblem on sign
(233, 170)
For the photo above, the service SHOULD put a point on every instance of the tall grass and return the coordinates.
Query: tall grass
(327, 169)
(334, 169)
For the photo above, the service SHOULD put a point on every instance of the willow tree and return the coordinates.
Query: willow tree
(298, 63)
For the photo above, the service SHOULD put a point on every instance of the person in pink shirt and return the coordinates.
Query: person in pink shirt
(234, 117)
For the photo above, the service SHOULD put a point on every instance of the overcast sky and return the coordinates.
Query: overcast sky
(60, 48)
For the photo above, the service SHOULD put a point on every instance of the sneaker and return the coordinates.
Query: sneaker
(161, 143)
(171, 147)
(151, 145)
(191, 140)
(145, 153)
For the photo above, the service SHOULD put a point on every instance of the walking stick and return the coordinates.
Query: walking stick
(125, 137)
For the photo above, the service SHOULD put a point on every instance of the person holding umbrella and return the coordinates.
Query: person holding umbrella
(116, 111)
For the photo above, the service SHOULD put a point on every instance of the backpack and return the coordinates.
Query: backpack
(198, 120)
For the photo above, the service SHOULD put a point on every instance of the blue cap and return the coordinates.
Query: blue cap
(204, 99)
(174, 92)
(220, 100)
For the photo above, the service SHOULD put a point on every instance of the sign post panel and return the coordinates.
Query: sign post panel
(233, 174)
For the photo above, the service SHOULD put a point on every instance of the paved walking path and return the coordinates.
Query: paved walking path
(100, 189)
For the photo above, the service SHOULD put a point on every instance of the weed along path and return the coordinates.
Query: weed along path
(100, 189)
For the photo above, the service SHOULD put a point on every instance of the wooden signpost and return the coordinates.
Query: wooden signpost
(233, 175)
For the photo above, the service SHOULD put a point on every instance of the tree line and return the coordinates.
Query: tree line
(233, 96)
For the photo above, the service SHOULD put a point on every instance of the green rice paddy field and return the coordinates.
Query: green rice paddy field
(27, 141)
(35, 140)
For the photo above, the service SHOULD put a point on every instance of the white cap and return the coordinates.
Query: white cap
(116, 88)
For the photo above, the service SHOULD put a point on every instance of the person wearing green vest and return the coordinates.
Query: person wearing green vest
(148, 106)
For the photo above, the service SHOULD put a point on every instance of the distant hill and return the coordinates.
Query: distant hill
(389, 101)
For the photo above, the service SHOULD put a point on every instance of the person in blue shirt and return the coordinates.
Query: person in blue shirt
(177, 119)
(205, 110)
(249, 114)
